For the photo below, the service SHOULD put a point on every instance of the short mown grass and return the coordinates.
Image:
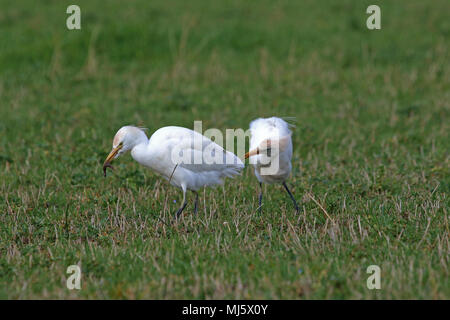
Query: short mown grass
(370, 165)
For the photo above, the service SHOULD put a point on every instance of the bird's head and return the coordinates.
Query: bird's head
(125, 139)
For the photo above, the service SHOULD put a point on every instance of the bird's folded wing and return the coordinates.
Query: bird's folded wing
(193, 151)
(202, 155)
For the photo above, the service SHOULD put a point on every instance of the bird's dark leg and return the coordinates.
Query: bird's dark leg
(260, 196)
(292, 197)
(180, 210)
(196, 202)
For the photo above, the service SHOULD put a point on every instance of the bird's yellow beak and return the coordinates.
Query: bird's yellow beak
(110, 157)
(251, 153)
(265, 145)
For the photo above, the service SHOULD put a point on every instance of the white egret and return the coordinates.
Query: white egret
(271, 149)
(187, 159)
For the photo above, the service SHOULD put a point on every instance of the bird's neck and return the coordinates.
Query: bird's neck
(141, 153)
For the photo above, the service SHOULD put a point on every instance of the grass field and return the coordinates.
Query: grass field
(371, 149)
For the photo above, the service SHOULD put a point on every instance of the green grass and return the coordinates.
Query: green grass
(371, 147)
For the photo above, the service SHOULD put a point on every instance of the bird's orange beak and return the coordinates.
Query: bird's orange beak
(110, 157)
(251, 153)
(264, 145)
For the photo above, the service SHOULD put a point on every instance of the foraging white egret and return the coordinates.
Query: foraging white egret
(187, 159)
(271, 152)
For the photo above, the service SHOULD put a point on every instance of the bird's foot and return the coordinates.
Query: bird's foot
(179, 211)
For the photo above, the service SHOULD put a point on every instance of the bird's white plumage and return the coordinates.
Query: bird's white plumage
(276, 130)
(183, 156)
(195, 165)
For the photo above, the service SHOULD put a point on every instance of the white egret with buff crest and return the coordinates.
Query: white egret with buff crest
(186, 158)
(271, 153)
